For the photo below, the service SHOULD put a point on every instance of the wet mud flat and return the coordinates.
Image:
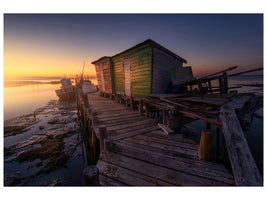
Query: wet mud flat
(44, 148)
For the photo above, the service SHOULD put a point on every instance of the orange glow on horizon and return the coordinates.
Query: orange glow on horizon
(19, 63)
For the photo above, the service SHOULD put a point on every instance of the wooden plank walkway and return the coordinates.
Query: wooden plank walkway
(138, 153)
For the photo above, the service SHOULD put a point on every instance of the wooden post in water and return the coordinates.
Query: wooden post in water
(205, 145)
(102, 136)
(90, 176)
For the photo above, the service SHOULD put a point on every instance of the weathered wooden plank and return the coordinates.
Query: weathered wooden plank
(161, 135)
(124, 175)
(116, 114)
(174, 103)
(134, 129)
(243, 165)
(165, 128)
(178, 150)
(129, 125)
(167, 141)
(153, 157)
(154, 171)
(117, 117)
(120, 122)
(173, 155)
(106, 181)
(106, 108)
(216, 102)
(198, 116)
(132, 133)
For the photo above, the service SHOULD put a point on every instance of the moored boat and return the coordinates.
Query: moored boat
(67, 90)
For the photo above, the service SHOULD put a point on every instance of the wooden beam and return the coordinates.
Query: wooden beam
(243, 165)
(197, 116)
(165, 128)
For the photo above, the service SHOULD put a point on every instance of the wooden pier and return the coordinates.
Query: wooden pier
(135, 151)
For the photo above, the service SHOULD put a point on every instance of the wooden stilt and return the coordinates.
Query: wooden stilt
(91, 176)
(210, 88)
(94, 120)
(102, 135)
(221, 85)
(147, 110)
(140, 107)
(164, 117)
(131, 102)
(225, 83)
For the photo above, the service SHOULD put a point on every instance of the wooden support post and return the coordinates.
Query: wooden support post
(147, 110)
(84, 118)
(102, 135)
(116, 98)
(210, 88)
(174, 121)
(205, 145)
(94, 120)
(140, 107)
(200, 87)
(225, 83)
(131, 102)
(164, 116)
(154, 113)
(90, 176)
(108, 144)
(126, 101)
(221, 86)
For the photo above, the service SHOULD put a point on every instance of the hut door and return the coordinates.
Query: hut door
(102, 77)
(127, 76)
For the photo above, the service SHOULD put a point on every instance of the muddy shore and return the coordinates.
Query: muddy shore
(44, 148)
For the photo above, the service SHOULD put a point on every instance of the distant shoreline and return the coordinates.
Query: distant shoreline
(22, 83)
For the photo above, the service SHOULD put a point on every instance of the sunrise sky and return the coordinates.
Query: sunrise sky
(55, 44)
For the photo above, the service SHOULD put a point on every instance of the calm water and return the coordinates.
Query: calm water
(23, 97)
(19, 100)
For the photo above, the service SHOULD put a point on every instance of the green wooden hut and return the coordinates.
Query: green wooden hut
(138, 71)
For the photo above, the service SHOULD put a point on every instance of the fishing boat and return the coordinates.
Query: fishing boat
(67, 90)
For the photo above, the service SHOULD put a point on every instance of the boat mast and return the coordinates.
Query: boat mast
(82, 72)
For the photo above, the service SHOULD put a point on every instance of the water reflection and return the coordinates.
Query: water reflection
(20, 100)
